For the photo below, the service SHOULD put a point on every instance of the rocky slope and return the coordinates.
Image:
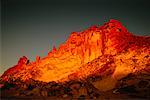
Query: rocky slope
(99, 62)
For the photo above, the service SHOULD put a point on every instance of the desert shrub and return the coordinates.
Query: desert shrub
(8, 86)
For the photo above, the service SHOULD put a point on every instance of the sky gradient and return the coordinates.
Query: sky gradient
(32, 27)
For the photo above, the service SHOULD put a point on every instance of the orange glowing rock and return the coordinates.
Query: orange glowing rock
(89, 52)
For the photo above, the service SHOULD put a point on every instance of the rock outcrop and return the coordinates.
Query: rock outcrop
(97, 60)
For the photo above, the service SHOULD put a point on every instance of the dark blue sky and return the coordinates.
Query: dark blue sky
(32, 27)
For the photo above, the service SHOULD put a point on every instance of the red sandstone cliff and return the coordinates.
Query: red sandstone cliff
(88, 52)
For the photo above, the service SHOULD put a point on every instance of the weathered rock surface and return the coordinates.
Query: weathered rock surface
(99, 63)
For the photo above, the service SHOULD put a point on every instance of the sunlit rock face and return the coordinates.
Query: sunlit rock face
(99, 50)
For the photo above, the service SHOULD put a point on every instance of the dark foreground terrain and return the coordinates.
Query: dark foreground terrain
(135, 87)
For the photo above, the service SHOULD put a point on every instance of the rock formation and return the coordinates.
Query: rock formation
(101, 58)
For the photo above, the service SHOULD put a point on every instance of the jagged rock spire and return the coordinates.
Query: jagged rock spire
(54, 49)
